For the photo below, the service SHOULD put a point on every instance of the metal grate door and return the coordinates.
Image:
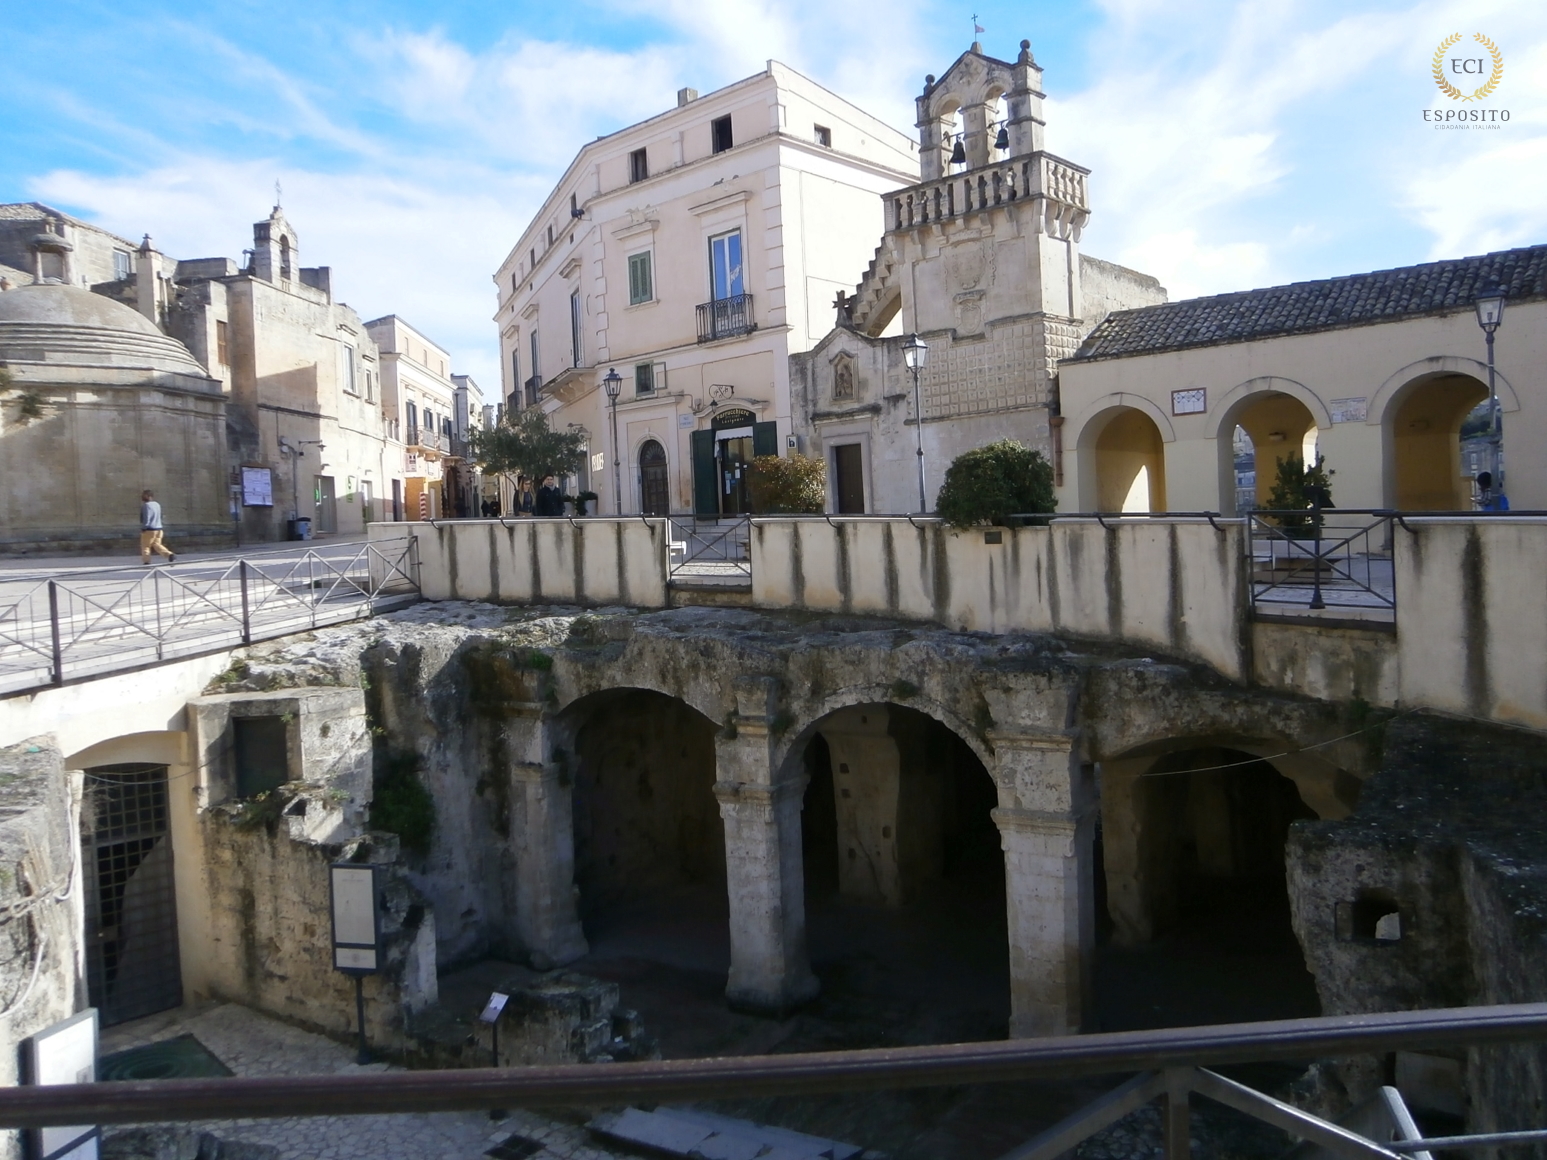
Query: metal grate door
(131, 912)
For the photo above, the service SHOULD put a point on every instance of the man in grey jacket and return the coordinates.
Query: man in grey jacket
(150, 530)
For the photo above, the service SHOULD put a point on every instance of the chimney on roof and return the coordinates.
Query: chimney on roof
(686, 95)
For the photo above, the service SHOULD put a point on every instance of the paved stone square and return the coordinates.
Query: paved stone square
(251, 1044)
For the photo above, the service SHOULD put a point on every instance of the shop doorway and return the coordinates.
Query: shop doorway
(132, 966)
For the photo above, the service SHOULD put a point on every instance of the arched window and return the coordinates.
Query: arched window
(284, 257)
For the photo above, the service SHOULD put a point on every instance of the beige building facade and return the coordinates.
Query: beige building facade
(417, 403)
(1376, 372)
(693, 253)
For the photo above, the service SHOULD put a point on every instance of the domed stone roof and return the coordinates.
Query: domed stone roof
(51, 325)
(59, 305)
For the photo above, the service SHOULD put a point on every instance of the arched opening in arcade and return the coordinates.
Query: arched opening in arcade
(1265, 430)
(1193, 905)
(1438, 437)
(1127, 459)
(904, 877)
(649, 849)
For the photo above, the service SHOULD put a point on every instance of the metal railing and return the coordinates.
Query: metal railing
(1172, 1063)
(84, 626)
(710, 550)
(1307, 561)
(725, 317)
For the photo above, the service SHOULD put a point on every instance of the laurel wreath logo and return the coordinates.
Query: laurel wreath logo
(1450, 90)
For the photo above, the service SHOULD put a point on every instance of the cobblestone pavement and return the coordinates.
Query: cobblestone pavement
(253, 1045)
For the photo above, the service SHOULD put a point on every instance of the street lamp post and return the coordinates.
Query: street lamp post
(1490, 312)
(915, 352)
(613, 384)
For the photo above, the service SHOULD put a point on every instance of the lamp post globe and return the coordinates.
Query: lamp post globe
(612, 383)
(915, 352)
(1490, 314)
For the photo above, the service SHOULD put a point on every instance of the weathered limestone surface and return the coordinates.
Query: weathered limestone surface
(265, 937)
(40, 904)
(493, 705)
(1447, 853)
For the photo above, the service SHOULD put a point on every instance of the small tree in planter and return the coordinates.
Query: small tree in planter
(1295, 488)
(988, 485)
(796, 485)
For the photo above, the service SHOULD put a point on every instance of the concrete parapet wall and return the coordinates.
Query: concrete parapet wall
(1472, 616)
(1178, 584)
(586, 561)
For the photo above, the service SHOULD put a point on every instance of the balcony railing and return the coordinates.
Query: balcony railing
(725, 318)
(534, 387)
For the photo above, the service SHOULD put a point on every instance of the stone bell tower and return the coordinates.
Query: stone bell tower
(981, 259)
(276, 252)
(992, 232)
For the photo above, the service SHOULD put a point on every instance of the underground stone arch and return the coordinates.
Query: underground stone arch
(904, 867)
(646, 822)
(1193, 883)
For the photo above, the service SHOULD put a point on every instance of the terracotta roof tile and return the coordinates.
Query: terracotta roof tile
(1331, 304)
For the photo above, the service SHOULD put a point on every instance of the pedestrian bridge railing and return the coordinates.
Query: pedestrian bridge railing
(1173, 1065)
(91, 625)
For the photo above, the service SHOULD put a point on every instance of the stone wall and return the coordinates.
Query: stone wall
(1472, 636)
(1433, 894)
(263, 861)
(1178, 585)
(589, 561)
(41, 909)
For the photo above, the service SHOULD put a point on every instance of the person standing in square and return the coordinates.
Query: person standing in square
(150, 530)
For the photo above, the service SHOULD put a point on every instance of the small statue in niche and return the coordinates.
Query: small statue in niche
(843, 377)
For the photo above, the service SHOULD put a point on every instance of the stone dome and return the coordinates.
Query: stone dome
(64, 326)
(58, 305)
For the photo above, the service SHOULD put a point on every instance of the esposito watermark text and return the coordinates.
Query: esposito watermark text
(1466, 118)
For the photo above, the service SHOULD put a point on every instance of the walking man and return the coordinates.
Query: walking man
(150, 530)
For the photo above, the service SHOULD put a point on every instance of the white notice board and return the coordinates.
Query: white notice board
(257, 487)
(65, 1053)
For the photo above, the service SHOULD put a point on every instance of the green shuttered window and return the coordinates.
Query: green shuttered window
(640, 284)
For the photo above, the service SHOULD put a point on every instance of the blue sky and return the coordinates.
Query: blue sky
(1234, 143)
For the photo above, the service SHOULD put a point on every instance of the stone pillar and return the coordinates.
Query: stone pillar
(1046, 825)
(770, 970)
(542, 837)
(867, 780)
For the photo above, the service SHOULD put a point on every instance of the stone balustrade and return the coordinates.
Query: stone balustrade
(1060, 185)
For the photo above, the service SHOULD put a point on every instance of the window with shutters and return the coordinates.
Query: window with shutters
(641, 285)
(644, 378)
(638, 166)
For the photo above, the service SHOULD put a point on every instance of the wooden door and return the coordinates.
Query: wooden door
(849, 467)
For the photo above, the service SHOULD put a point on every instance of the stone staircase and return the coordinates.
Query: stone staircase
(877, 290)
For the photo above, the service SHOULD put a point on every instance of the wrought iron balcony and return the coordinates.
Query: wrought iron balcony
(725, 318)
(534, 387)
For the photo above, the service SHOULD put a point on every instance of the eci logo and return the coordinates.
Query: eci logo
(1467, 71)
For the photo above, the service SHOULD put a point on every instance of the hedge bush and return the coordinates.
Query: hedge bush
(796, 485)
(989, 484)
